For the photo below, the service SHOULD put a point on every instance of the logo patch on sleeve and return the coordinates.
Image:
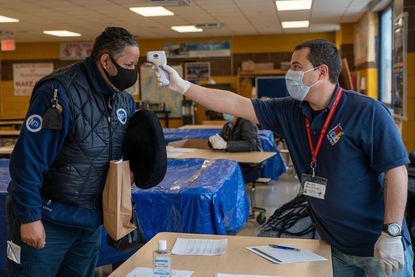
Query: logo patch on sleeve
(122, 115)
(335, 134)
(34, 123)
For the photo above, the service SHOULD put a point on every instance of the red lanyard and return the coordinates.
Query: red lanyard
(314, 151)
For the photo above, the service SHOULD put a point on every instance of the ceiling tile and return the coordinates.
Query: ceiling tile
(239, 17)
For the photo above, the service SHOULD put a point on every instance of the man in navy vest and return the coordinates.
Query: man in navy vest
(75, 125)
(347, 153)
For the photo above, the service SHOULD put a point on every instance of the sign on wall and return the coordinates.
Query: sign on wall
(75, 51)
(25, 76)
(198, 49)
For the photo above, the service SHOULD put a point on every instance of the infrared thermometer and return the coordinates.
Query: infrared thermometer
(159, 58)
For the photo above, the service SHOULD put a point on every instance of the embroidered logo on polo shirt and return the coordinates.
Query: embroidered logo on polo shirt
(34, 123)
(335, 134)
(122, 115)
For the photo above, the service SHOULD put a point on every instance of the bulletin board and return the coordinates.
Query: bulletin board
(152, 93)
(399, 93)
(197, 71)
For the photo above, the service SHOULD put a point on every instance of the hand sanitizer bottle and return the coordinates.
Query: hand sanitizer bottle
(161, 260)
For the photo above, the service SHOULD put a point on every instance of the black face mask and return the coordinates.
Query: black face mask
(124, 79)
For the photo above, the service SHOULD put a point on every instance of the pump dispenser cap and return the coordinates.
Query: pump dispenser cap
(162, 245)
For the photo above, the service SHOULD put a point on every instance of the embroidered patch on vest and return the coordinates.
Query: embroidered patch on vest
(122, 115)
(34, 123)
(335, 134)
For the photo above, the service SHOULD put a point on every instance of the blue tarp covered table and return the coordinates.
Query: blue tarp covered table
(196, 196)
(273, 167)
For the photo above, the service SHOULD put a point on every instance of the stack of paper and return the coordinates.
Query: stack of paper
(148, 272)
(200, 247)
(174, 152)
(283, 256)
(241, 275)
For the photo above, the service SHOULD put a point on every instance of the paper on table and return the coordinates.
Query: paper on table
(283, 256)
(200, 247)
(241, 275)
(174, 152)
(148, 272)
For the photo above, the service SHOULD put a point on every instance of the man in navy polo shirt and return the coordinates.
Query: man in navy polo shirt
(347, 152)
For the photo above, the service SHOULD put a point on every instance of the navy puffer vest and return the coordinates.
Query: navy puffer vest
(77, 176)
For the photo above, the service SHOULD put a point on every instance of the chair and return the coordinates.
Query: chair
(251, 173)
(261, 218)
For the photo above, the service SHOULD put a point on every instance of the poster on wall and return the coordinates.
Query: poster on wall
(152, 93)
(399, 93)
(197, 71)
(198, 49)
(75, 51)
(25, 76)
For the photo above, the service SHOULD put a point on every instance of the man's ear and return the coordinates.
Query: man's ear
(105, 61)
(324, 72)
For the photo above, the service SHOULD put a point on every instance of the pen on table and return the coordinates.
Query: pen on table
(284, 247)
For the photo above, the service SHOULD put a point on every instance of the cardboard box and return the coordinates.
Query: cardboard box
(264, 66)
(190, 143)
(248, 66)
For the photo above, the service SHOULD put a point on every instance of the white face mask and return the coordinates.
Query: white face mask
(295, 85)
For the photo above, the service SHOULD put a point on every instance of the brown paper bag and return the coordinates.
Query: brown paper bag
(116, 200)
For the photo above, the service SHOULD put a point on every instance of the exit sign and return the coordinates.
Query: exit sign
(8, 45)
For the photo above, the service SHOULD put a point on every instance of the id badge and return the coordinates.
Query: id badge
(313, 186)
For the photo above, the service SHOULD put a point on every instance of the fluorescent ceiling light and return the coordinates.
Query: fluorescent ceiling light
(5, 19)
(295, 24)
(62, 33)
(152, 11)
(186, 29)
(293, 5)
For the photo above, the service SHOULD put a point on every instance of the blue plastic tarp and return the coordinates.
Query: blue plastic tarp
(273, 167)
(196, 196)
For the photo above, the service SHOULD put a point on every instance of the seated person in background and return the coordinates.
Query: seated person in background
(239, 135)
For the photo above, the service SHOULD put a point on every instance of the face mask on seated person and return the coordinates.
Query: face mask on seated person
(124, 79)
(227, 117)
(295, 86)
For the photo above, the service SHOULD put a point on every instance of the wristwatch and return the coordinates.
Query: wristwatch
(393, 229)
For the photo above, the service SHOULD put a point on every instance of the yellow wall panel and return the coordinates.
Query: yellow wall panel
(14, 106)
(41, 50)
(408, 128)
(372, 82)
(233, 80)
(411, 86)
(244, 44)
(410, 147)
(347, 31)
(411, 108)
(338, 38)
(410, 62)
(371, 75)
(408, 132)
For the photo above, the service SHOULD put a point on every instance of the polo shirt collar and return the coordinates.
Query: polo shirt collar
(306, 109)
(336, 91)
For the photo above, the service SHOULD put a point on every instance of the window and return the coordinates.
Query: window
(385, 56)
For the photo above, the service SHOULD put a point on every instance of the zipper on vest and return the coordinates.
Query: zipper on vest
(110, 140)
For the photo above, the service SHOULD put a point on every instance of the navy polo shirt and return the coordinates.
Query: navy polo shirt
(362, 142)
